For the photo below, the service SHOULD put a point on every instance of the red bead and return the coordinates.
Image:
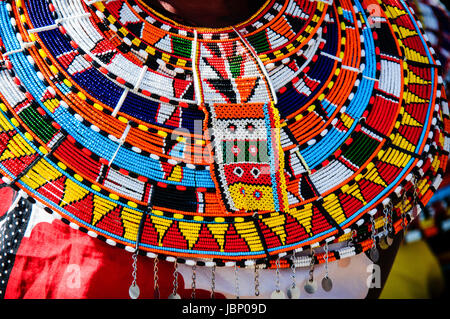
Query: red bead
(86, 151)
(142, 179)
(162, 185)
(71, 139)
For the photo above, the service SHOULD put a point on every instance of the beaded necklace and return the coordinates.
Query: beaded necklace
(310, 124)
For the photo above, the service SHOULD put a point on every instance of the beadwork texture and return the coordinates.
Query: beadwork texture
(284, 132)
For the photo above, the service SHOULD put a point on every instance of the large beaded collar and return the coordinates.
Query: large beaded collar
(309, 124)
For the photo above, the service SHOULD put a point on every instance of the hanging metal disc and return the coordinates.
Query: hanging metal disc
(278, 295)
(293, 292)
(327, 284)
(310, 287)
(134, 291)
(174, 296)
(390, 239)
(383, 243)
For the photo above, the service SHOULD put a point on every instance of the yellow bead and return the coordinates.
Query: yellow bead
(157, 212)
(162, 133)
(114, 196)
(15, 122)
(44, 151)
(98, 107)
(62, 166)
(132, 204)
(143, 127)
(81, 96)
(28, 136)
(122, 119)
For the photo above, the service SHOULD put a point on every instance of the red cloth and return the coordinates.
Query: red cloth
(56, 261)
(6, 196)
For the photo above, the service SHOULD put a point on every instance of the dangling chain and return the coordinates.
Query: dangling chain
(256, 281)
(193, 284)
(236, 281)
(311, 266)
(387, 212)
(293, 269)
(175, 279)
(373, 234)
(327, 283)
(403, 212)
(415, 196)
(213, 281)
(310, 286)
(326, 259)
(134, 273)
(278, 274)
(155, 278)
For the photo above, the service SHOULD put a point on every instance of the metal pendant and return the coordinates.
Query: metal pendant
(156, 294)
(134, 291)
(293, 292)
(389, 239)
(414, 211)
(383, 243)
(386, 242)
(310, 287)
(174, 296)
(374, 255)
(278, 294)
(327, 284)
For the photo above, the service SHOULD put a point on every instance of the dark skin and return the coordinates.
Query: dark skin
(215, 14)
(222, 13)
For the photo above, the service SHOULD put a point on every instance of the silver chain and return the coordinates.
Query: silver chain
(277, 263)
(213, 281)
(389, 217)
(311, 266)
(385, 220)
(403, 212)
(326, 259)
(175, 279)
(256, 281)
(134, 273)
(155, 277)
(293, 268)
(372, 236)
(193, 284)
(236, 281)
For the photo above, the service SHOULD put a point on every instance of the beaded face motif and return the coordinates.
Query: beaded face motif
(289, 130)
